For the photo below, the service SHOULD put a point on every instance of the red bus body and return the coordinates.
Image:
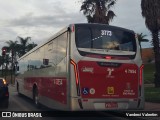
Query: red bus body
(71, 76)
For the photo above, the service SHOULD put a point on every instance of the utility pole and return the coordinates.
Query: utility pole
(3, 58)
(2, 64)
(12, 66)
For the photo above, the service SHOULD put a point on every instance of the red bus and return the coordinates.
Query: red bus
(84, 67)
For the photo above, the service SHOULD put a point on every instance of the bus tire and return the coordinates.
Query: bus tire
(36, 97)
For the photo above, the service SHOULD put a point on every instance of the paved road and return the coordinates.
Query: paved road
(22, 104)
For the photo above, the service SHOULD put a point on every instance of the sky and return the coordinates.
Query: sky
(40, 19)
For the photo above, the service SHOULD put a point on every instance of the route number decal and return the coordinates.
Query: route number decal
(106, 33)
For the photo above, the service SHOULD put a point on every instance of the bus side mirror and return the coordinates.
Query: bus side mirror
(69, 29)
(17, 68)
(16, 71)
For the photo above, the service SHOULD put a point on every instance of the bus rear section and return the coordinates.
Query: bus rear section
(106, 69)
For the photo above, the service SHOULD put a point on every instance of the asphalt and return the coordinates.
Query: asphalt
(149, 106)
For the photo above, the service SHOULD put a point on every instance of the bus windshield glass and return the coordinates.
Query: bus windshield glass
(102, 38)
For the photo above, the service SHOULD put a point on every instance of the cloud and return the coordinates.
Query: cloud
(40, 19)
(128, 15)
(37, 19)
(29, 20)
(48, 13)
(42, 27)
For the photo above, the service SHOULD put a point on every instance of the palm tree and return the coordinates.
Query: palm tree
(1, 64)
(1, 60)
(23, 45)
(12, 46)
(31, 46)
(141, 38)
(98, 11)
(151, 13)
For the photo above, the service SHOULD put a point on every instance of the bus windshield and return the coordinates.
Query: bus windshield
(105, 38)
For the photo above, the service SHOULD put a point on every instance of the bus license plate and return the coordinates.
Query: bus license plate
(111, 105)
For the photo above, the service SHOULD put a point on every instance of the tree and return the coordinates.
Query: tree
(23, 45)
(2, 63)
(16, 49)
(12, 46)
(98, 11)
(19, 49)
(151, 13)
(31, 46)
(141, 38)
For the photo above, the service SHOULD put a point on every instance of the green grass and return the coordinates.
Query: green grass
(149, 70)
(152, 94)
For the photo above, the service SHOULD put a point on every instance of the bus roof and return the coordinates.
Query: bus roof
(95, 24)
